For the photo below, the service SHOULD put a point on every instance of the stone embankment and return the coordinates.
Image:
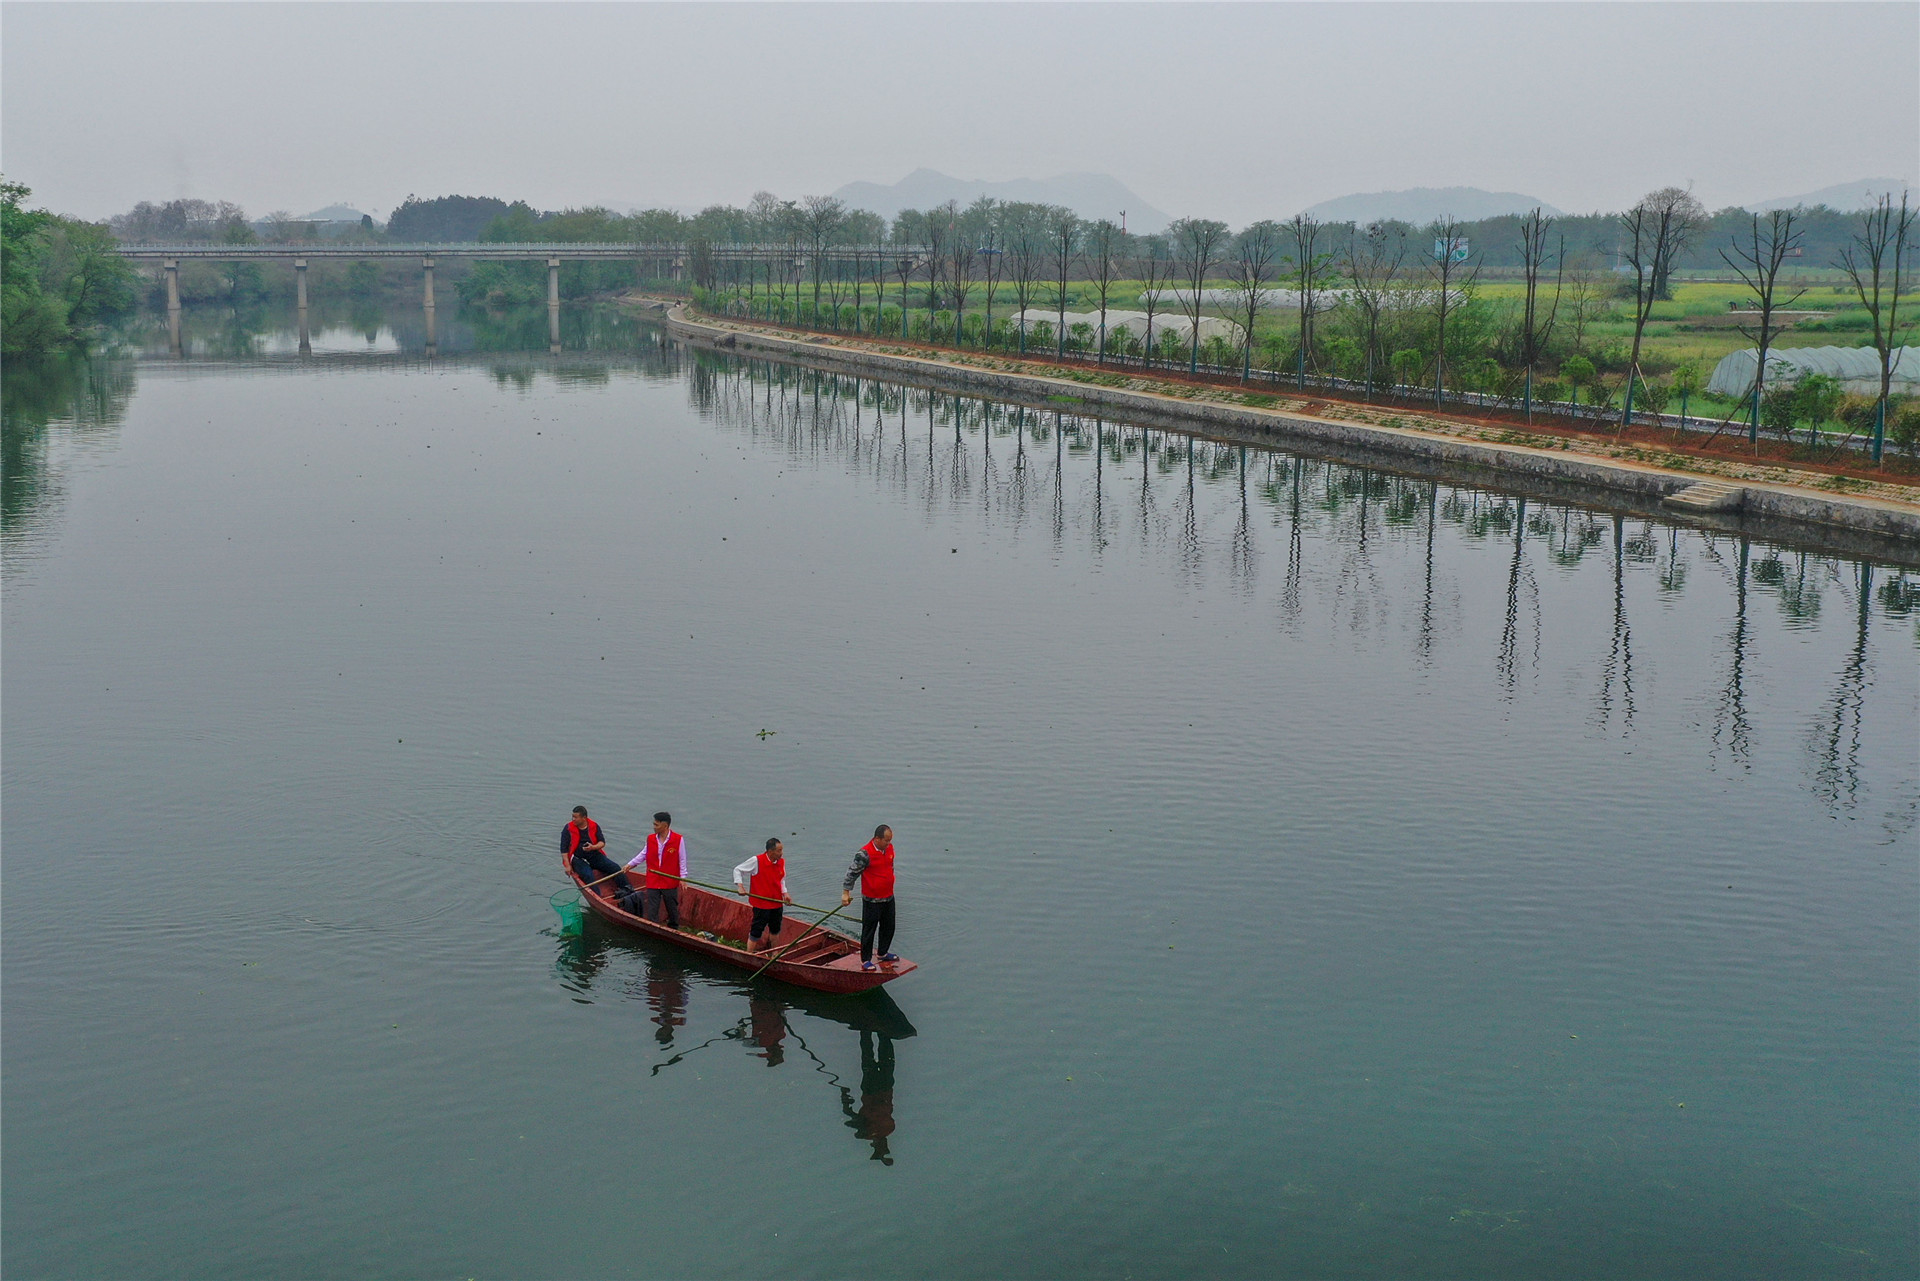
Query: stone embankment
(1874, 519)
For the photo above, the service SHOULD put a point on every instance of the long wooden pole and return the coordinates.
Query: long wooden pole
(796, 943)
(718, 889)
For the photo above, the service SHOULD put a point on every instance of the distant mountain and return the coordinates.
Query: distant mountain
(334, 213)
(1419, 205)
(1091, 195)
(1845, 197)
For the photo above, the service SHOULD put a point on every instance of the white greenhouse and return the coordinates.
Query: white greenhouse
(1856, 368)
(1135, 323)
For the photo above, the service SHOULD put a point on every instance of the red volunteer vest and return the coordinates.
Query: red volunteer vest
(764, 889)
(876, 879)
(579, 838)
(662, 856)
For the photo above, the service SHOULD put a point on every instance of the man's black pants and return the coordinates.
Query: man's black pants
(593, 865)
(664, 903)
(876, 914)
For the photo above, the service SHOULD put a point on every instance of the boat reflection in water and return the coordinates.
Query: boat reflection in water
(665, 980)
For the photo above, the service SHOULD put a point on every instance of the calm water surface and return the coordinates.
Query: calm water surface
(1315, 872)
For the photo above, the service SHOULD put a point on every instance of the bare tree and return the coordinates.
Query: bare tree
(1308, 264)
(789, 223)
(1452, 271)
(1373, 261)
(836, 275)
(938, 237)
(1878, 261)
(859, 269)
(1684, 217)
(1026, 251)
(986, 211)
(821, 218)
(1155, 269)
(1063, 241)
(908, 232)
(1536, 329)
(1586, 295)
(1199, 241)
(1251, 269)
(961, 258)
(1756, 257)
(1649, 229)
(1104, 247)
(904, 265)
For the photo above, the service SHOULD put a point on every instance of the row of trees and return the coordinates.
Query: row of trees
(1374, 304)
(1382, 304)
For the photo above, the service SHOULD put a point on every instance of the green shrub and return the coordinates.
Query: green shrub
(1780, 408)
(1819, 398)
(1903, 427)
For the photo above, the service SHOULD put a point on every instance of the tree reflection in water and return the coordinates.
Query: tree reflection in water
(1349, 518)
(52, 410)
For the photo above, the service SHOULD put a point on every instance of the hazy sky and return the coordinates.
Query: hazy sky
(1232, 111)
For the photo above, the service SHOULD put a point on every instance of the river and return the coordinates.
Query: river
(1314, 872)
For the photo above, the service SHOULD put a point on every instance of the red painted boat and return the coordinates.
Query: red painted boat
(825, 960)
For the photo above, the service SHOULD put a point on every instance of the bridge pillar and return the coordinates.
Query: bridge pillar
(300, 300)
(172, 266)
(553, 305)
(433, 336)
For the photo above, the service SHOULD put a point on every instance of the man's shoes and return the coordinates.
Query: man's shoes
(868, 965)
(891, 958)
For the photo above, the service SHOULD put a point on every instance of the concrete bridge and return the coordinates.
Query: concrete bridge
(673, 258)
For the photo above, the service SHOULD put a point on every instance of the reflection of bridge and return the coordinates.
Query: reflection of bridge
(669, 259)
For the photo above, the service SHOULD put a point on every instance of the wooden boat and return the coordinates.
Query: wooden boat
(826, 960)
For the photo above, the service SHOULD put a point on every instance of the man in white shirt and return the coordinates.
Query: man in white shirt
(763, 879)
(665, 857)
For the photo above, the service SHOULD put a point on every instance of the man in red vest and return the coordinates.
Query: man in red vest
(763, 879)
(873, 865)
(665, 857)
(586, 847)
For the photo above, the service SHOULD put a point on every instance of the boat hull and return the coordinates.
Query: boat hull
(826, 960)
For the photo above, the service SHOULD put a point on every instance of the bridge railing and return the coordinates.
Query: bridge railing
(505, 249)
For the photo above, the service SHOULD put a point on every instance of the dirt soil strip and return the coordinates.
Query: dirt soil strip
(1865, 517)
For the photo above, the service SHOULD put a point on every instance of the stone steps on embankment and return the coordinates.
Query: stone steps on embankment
(1709, 496)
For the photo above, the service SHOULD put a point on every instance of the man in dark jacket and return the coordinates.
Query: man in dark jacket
(873, 868)
(586, 847)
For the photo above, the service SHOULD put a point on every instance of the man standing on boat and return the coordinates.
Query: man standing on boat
(665, 856)
(586, 847)
(763, 879)
(873, 866)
